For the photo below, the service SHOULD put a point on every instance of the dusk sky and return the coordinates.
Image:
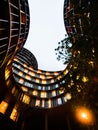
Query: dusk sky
(46, 30)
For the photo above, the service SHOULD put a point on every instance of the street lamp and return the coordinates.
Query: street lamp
(85, 116)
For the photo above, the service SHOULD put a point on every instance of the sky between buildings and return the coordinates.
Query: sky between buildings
(46, 30)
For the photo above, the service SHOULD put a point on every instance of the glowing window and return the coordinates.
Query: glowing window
(20, 73)
(43, 94)
(42, 76)
(49, 103)
(37, 103)
(44, 81)
(3, 107)
(7, 74)
(53, 93)
(13, 90)
(26, 70)
(24, 89)
(59, 101)
(26, 99)
(28, 77)
(35, 93)
(43, 103)
(14, 115)
(31, 73)
(37, 80)
(21, 80)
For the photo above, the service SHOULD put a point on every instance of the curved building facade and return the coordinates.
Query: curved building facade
(32, 83)
(14, 27)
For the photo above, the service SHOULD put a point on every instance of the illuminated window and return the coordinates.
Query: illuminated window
(35, 93)
(43, 103)
(39, 71)
(7, 74)
(61, 90)
(52, 80)
(37, 80)
(43, 94)
(39, 87)
(20, 73)
(56, 73)
(65, 99)
(24, 89)
(28, 77)
(44, 81)
(59, 77)
(68, 96)
(47, 73)
(53, 93)
(59, 101)
(8, 82)
(37, 103)
(49, 103)
(14, 115)
(21, 80)
(26, 99)
(26, 70)
(13, 90)
(42, 76)
(25, 65)
(31, 73)
(3, 107)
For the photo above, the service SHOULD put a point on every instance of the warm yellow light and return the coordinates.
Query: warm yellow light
(3, 107)
(49, 103)
(26, 70)
(37, 103)
(31, 73)
(24, 89)
(61, 90)
(20, 73)
(7, 74)
(43, 95)
(35, 92)
(14, 115)
(68, 96)
(84, 115)
(38, 80)
(13, 90)
(26, 99)
(85, 79)
(28, 77)
(66, 71)
(42, 76)
(21, 80)
(56, 73)
(52, 80)
(43, 103)
(44, 81)
(77, 77)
